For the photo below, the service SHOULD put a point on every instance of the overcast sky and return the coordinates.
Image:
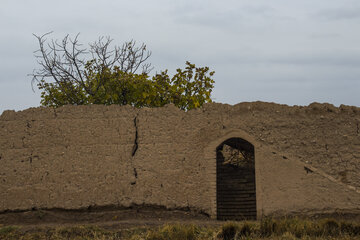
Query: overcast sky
(288, 52)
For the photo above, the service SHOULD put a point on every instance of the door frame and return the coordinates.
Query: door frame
(210, 157)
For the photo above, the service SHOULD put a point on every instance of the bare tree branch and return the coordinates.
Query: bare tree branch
(66, 62)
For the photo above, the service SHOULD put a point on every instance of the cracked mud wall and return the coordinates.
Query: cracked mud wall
(80, 156)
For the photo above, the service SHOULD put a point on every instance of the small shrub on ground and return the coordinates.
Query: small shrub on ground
(330, 227)
(350, 229)
(237, 230)
(267, 227)
(229, 231)
(175, 232)
(246, 230)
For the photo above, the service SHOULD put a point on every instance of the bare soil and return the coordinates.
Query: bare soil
(115, 218)
(110, 218)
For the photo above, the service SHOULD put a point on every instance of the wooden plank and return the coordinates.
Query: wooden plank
(237, 209)
(225, 211)
(237, 200)
(236, 205)
(236, 189)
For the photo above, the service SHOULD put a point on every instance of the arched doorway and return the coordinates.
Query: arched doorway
(235, 180)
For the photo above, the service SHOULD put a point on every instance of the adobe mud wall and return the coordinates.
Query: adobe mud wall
(307, 159)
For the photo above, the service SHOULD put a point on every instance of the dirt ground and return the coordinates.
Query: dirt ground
(105, 217)
(114, 218)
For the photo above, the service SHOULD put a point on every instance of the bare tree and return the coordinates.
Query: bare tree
(65, 62)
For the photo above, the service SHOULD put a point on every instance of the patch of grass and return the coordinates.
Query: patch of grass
(175, 232)
(294, 226)
(7, 229)
(8, 232)
(237, 230)
(350, 229)
(268, 228)
(229, 231)
(301, 228)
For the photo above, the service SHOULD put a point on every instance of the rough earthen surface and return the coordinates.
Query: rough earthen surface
(307, 158)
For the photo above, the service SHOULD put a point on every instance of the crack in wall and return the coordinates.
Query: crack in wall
(23, 142)
(308, 170)
(135, 148)
(28, 134)
(136, 176)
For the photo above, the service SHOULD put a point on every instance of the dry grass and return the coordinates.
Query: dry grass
(290, 228)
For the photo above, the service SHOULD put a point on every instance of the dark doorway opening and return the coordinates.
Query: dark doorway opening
(235, 180)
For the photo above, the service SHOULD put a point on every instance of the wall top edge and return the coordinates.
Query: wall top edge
(100, 111)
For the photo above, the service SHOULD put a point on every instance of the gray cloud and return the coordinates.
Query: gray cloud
(324, 35)
(292, 52)
(339, 14)
(334, 60)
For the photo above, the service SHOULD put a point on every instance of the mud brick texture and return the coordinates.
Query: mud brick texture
(307, 158)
